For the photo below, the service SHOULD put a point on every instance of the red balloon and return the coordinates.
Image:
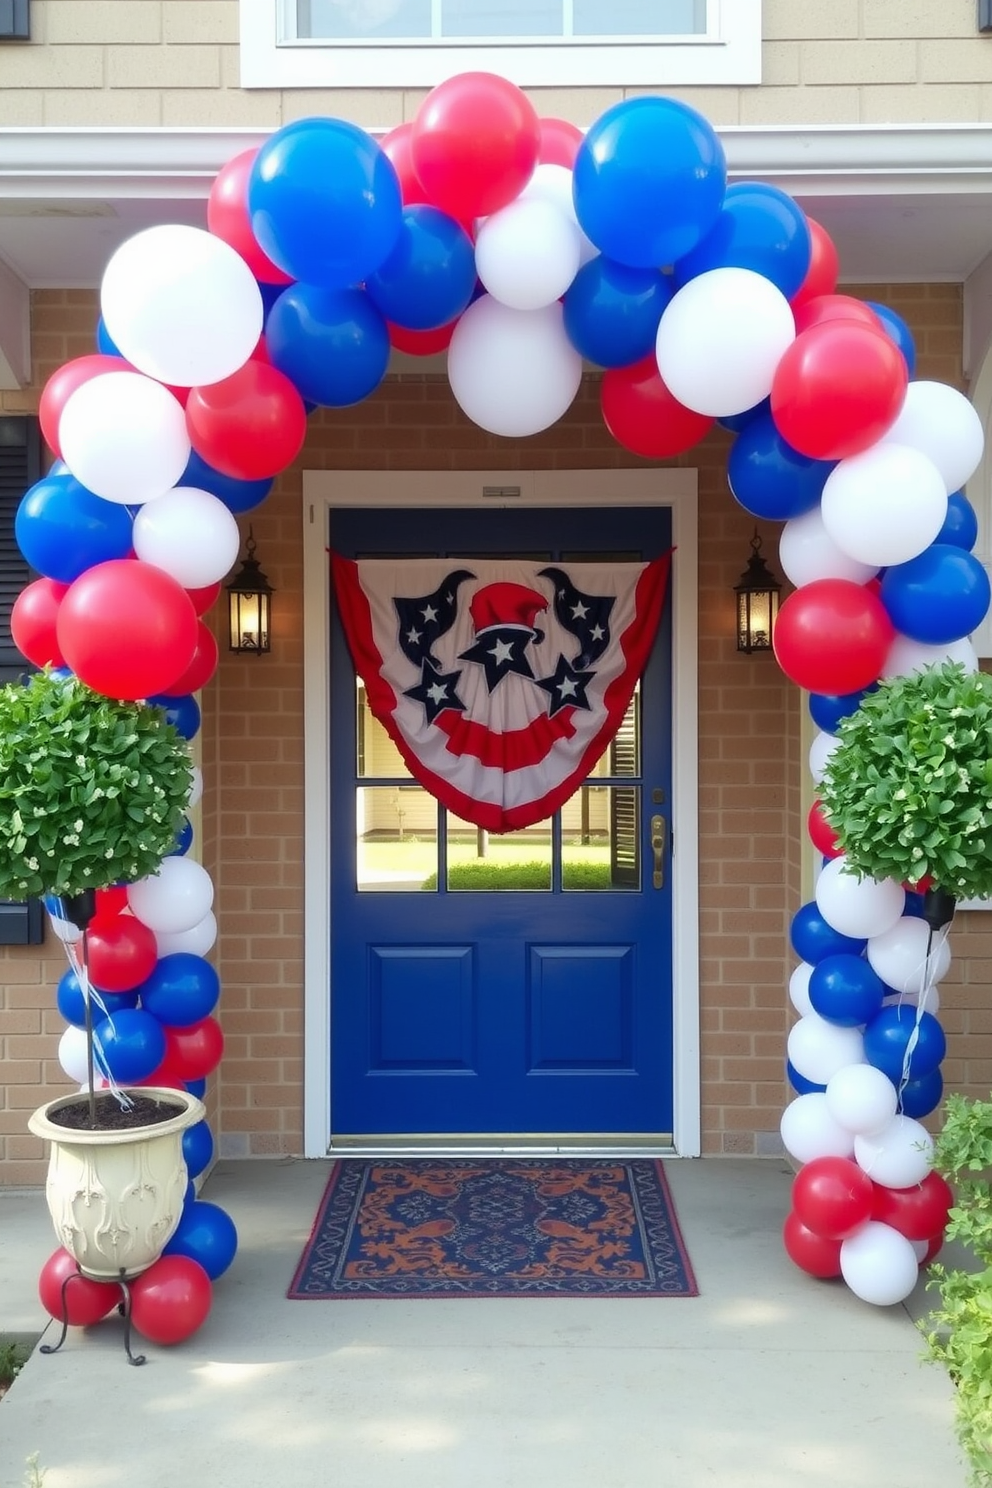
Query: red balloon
(62, 384)
(250, 425)
(832, 1196)
(86, 1301)
(832, 636)
(34, 622)
(227, 217)
(126, 628)
(933, 1249)
(833, 307)
(397, 145)
(920, 1212)
(194, 1051)
(111, 902)
(812, 1253)
(202, 599)
(421, 343)
(474, 143)
(200, 669)
(824, 266)
(821, 833)
(171, 1299)
(644, 416)
(122, 953)
(560, 142)
(838, 388)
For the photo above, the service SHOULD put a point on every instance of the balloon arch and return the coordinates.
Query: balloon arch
(523, 246)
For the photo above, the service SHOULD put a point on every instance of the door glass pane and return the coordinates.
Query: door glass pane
(396, 829)
(375, 753)
(600, 839)
(350, 20)
(480, 862)
(639, 17)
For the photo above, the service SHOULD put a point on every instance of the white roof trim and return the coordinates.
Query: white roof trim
(812, 160)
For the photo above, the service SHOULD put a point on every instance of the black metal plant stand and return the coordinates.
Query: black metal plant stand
(123, 1307)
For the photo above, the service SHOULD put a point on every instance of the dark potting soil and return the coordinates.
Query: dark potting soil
(144, 1111)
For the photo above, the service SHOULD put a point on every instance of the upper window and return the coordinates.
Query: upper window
(537, 43)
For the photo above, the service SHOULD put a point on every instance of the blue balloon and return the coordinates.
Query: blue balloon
(429, 277)
(182, 712)
(896, 328)
(915, 905)
(888, 1037)
(63, 529)
(828, 708)
(769, 478)
(206, 1233)
(184, 840)
(736, 422)
(189, 1197)
(612, 311)
(181, 990)
(197, 1087)
(649, 181)
(237, 495)
(961, 523)
(845, 990)
(324, 202)
(198, 1148)
(799, 1082)
(131, 1044)
(760, 228)
(918, 1098)
(103, 340)
(332, 343)
(937, 597)
(813, 939)
(72, 1004)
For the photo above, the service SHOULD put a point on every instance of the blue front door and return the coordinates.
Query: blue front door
(501, 985)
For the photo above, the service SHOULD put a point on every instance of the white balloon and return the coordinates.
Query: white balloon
(181, 305)
(861, 1098)
(879, 1264)
(553, 183)
(190, 534)
(124, 437)
(72, 1054)
(920, 1248)
(196, 788)
(854, 906)
(527, 253)
(884, 506)
(198, 940)
(513, 372)
(809, 1130)
(807, 552)
(899, 956)
(939, 421)
(906, 656)
(820, 750)
(818, 1049)
(799, 989)
(897, 1155)
(175, 898)
(720, 339)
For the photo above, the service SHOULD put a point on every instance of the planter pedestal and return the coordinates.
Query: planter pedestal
(116, 1197)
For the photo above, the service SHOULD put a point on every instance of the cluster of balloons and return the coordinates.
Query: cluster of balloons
(168, 1301)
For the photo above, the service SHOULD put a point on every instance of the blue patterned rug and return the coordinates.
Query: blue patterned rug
(495, 1227)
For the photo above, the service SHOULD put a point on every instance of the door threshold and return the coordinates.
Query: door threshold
(504, 1144)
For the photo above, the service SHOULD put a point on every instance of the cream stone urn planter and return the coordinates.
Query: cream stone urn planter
(116, 1195)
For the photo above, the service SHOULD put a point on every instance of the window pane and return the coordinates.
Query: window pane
(481, 863)
(396, 827)
(348, 20)
(639, 18)
(600, 839)
(375, 752)
(501, 18)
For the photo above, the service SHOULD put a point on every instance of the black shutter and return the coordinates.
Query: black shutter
(20, 467)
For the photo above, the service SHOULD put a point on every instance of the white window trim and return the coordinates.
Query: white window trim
(729, 54)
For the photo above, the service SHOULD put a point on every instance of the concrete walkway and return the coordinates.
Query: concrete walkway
(766, 1380)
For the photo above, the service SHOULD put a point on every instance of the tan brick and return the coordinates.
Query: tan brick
(919, 18)
(861, 62)
(964, 61)
(163, 67)
(920, 103)
(785, 20)
(126, 106)
(200, 21)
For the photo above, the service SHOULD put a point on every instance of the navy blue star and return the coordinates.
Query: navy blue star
(436, 690)
(500, 649)
(586, 616)
(567, 688)
(422, 621)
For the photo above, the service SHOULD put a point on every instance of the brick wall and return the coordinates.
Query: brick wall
(752, 784)
(175, 62)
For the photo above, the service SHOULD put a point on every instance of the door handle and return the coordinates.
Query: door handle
(659, 832)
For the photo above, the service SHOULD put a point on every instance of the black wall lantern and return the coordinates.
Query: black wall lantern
(757, 602)
(249, 597)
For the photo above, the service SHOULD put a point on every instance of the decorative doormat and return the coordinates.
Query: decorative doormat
(495, 1227)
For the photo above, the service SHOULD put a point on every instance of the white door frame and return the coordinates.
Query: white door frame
(484, 490)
